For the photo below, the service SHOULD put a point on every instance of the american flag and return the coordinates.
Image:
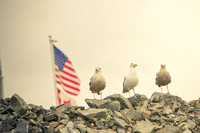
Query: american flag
(67, 81)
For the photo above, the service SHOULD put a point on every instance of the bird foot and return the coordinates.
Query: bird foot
(136, 94)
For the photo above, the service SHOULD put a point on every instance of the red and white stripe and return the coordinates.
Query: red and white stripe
(68, 79)
(64, 99)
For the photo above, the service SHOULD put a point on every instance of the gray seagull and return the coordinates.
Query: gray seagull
(97, 82)
(163, 77)
(131, 80)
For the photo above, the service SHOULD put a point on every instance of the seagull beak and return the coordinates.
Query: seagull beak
(136, 65)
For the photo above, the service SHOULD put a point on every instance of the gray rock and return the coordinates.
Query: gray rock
(167, 111)
(95, 103)
(121, 123)
(138, 100)
(183, 119)
(54, 124)
(48, 129)
(4, 128)
(22, 127)
(30, 115)
(125, 103)
(135, 115)
(168, 129)
(18, 104)
(99, 124)
(187, 131)
(70, 124)
(70, 127)
(61, 116)
(154, 118)
(93, 113)
(3, 108)
(63, 130)
(50, 117)
(89, 130)
(155, 106)
(64, 121)
(120, 130)
(191, 124)
(3, 116)
(113, 106)
(117, 114)
(62, 107)
(81, 128)
(143, 127)
(166, 99)
(175, 108)
(156, 97)
(184, 103)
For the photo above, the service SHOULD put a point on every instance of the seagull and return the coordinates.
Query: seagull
(97, 82)
(163, 77)
(131, 80)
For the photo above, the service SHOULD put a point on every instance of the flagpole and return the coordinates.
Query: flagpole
(1, 83)
(53, 67)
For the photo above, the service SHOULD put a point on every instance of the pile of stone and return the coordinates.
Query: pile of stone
(162, 113)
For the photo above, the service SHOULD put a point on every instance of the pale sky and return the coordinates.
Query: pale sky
(106, 33)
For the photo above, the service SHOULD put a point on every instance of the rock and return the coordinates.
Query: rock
(135, 115)
(64, 122)
(4, 128)
(118, 115)
(187, 131)
(155, 107)
(191, 124)
(154, 118)
(30, 115)
(165, 99)
(162, 113)
(99, 124)
(22, 127)
(121, 123)
(48, 129)
(3, 117)
(182, 119)
(63, 130)
(93, 113)
(138, 100)
(167, 111)
(18, 104)
(156, 97)
(54, 124)
(70, 127)
(62, 108)
(3, 102)
(168, 129)
(120, 130)
(113, 106)
(81, 128)
(143, 127)
(94, 103)
(50, 117)
(125, 103)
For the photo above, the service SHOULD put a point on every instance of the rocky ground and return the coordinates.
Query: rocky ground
(162, 113)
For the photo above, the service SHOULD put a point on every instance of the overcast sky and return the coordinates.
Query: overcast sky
(110, 34)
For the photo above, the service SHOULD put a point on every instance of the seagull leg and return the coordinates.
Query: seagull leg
(94, 95)
(101, 95)
(167, 89)
(129, 93)
(161, 89)
(134, 93)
